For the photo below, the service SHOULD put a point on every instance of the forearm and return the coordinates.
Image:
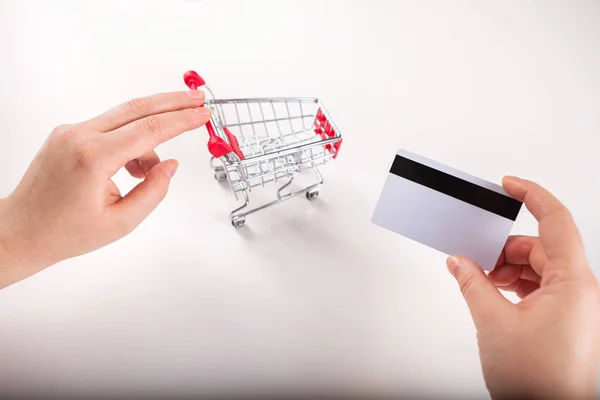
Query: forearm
(7, 269)
(11, 270)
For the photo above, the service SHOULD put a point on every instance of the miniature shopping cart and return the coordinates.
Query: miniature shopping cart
(264, 140)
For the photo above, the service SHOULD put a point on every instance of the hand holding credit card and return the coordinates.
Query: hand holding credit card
(446, 209)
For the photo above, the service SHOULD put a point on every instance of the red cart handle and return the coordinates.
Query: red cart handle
(193, 80)
(216, 145)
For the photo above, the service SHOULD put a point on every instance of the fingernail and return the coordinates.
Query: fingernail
(204, 111)
(453, 264)
(511, 178)
(195, 94)
(171, 171)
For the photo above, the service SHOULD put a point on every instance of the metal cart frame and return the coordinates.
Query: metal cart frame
(263, 140)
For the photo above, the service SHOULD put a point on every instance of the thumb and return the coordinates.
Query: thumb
(483, 298)
(147, 195)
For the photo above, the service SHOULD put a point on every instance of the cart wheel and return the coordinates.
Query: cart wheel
(220, 175)
(312, 195)
(238, 222)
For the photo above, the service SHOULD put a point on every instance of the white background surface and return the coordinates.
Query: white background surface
(309, 295)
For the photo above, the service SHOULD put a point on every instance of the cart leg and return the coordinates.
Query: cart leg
(279, 196)
(212, 162)
(312, 192)
(220, 173)
(238, 218)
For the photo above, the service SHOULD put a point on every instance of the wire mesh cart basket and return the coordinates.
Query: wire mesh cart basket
(259, 141)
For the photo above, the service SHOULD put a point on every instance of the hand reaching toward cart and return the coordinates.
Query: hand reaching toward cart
(547, 346)
(67, 205)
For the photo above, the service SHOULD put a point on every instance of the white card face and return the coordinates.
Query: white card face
(446, 209)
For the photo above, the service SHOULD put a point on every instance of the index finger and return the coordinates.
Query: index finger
(558, 233)
(139, 108)
(142, 136)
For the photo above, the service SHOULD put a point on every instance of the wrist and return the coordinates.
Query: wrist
(7, 261)
(12, 265)
(569, 380)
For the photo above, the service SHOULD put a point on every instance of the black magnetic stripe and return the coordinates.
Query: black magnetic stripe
(458, 188)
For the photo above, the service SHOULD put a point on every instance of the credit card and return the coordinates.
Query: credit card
(446, 209)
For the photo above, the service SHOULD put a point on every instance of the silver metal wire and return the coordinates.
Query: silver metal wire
(277, 138)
